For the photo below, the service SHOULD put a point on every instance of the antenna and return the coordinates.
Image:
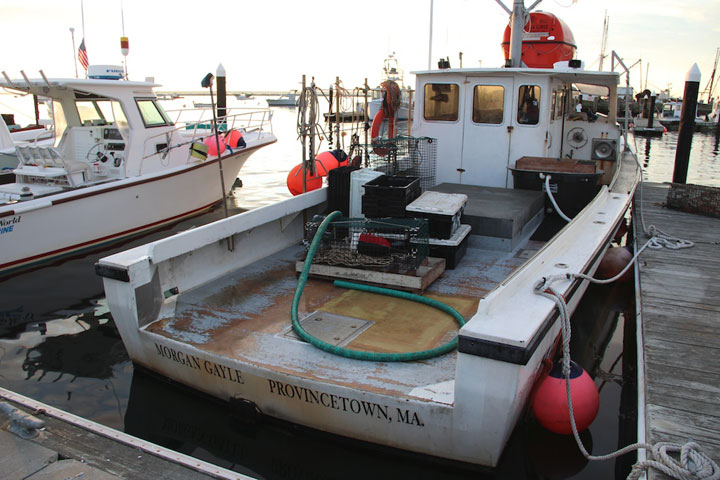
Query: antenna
(603, 44)
(709, 87)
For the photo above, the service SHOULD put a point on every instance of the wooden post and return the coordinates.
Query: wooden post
(687, 125)
(337, 112)
(221, 95)
(651, 111)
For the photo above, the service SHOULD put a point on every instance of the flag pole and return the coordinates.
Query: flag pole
(124, 46)
(72, 34)
(82, 15)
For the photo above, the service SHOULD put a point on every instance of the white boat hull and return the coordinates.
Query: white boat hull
(66, 223)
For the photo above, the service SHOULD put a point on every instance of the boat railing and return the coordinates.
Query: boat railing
(187, 132)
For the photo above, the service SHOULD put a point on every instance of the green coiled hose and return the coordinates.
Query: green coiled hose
(359, 354)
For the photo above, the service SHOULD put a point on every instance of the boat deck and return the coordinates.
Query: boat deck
(679, 304)
(245, 315)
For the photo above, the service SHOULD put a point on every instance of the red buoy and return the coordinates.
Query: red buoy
(545, 40)
(550, 402)
(295, 181)
(234, 139)
(327, 161)
(212, 145)
(612, 263)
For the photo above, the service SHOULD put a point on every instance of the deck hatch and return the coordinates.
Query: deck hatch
(331, 328)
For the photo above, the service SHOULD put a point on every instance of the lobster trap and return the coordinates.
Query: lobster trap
(407, 157)
(390, 245)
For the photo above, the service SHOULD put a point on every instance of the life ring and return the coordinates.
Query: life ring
(375, 131)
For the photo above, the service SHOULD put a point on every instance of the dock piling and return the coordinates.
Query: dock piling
(687, 124)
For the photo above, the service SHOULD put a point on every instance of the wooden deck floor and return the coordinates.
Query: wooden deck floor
(680, 314)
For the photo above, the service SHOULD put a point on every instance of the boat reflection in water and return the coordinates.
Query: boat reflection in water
(241, 439)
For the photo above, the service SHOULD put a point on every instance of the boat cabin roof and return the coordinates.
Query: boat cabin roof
(569, 75)
(57, 87)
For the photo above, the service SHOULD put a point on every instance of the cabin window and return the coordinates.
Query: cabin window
(528, 105)
(152, 114)
(558, 103)
(488, 102)
(441, 102)
(99, 111)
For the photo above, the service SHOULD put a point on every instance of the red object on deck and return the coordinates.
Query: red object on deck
(546, 40)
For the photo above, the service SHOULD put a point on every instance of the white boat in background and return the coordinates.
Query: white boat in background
(393, 73)
(119, 167)
(285, 100)
(9, 139)
(504, 140)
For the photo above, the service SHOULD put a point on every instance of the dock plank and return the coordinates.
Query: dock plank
(680, 315)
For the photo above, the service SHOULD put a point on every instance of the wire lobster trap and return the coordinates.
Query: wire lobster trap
(391, 245)
(405, 156)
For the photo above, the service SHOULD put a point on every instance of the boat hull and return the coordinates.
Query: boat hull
(46, 228)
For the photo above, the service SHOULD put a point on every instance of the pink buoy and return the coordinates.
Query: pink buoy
(550, 404)
(212, 145)
(295, 181)
(234, 139)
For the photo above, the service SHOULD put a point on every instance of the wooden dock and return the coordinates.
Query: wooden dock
(68, 447)
(679, 314)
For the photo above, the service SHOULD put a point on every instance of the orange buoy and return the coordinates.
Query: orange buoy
(234, 139)
(295, 181)
(612, 263)
(212, 145)
(330, 160)
(546, 40)
(550, 404)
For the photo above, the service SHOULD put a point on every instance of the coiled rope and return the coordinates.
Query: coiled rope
(358, 354)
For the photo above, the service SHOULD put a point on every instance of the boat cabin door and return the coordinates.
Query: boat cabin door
(487, 132)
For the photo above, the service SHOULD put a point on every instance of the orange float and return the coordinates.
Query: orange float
(546, 40)
(295, 181)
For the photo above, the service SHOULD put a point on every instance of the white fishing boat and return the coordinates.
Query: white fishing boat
(391, 72)
(119, 167)
(240, 326)
(285, 100)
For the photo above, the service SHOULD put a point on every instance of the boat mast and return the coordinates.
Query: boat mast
(603, 44)
(709, 87)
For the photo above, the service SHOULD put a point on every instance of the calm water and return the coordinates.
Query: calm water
(59, 345)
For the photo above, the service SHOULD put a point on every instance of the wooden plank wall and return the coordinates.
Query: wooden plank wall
(680, 314)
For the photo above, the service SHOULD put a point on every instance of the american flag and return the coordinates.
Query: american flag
(82, 55)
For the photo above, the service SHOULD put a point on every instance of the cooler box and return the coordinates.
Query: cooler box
(452, 249)
(443, 211)
(387, 196)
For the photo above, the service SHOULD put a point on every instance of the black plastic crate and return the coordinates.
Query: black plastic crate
(452, 249)
(339, 189)
(572, 191)
(443, 211)
(387, 196)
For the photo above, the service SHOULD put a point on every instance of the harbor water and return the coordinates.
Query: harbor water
(59, 345)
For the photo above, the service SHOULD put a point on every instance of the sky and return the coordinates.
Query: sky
(270, 44)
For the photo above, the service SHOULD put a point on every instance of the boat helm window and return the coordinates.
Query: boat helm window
(59, 121)
(441, 101)
(488, 102)
(558, 103)
(152, 113)
(528, 105)
(99, 112)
